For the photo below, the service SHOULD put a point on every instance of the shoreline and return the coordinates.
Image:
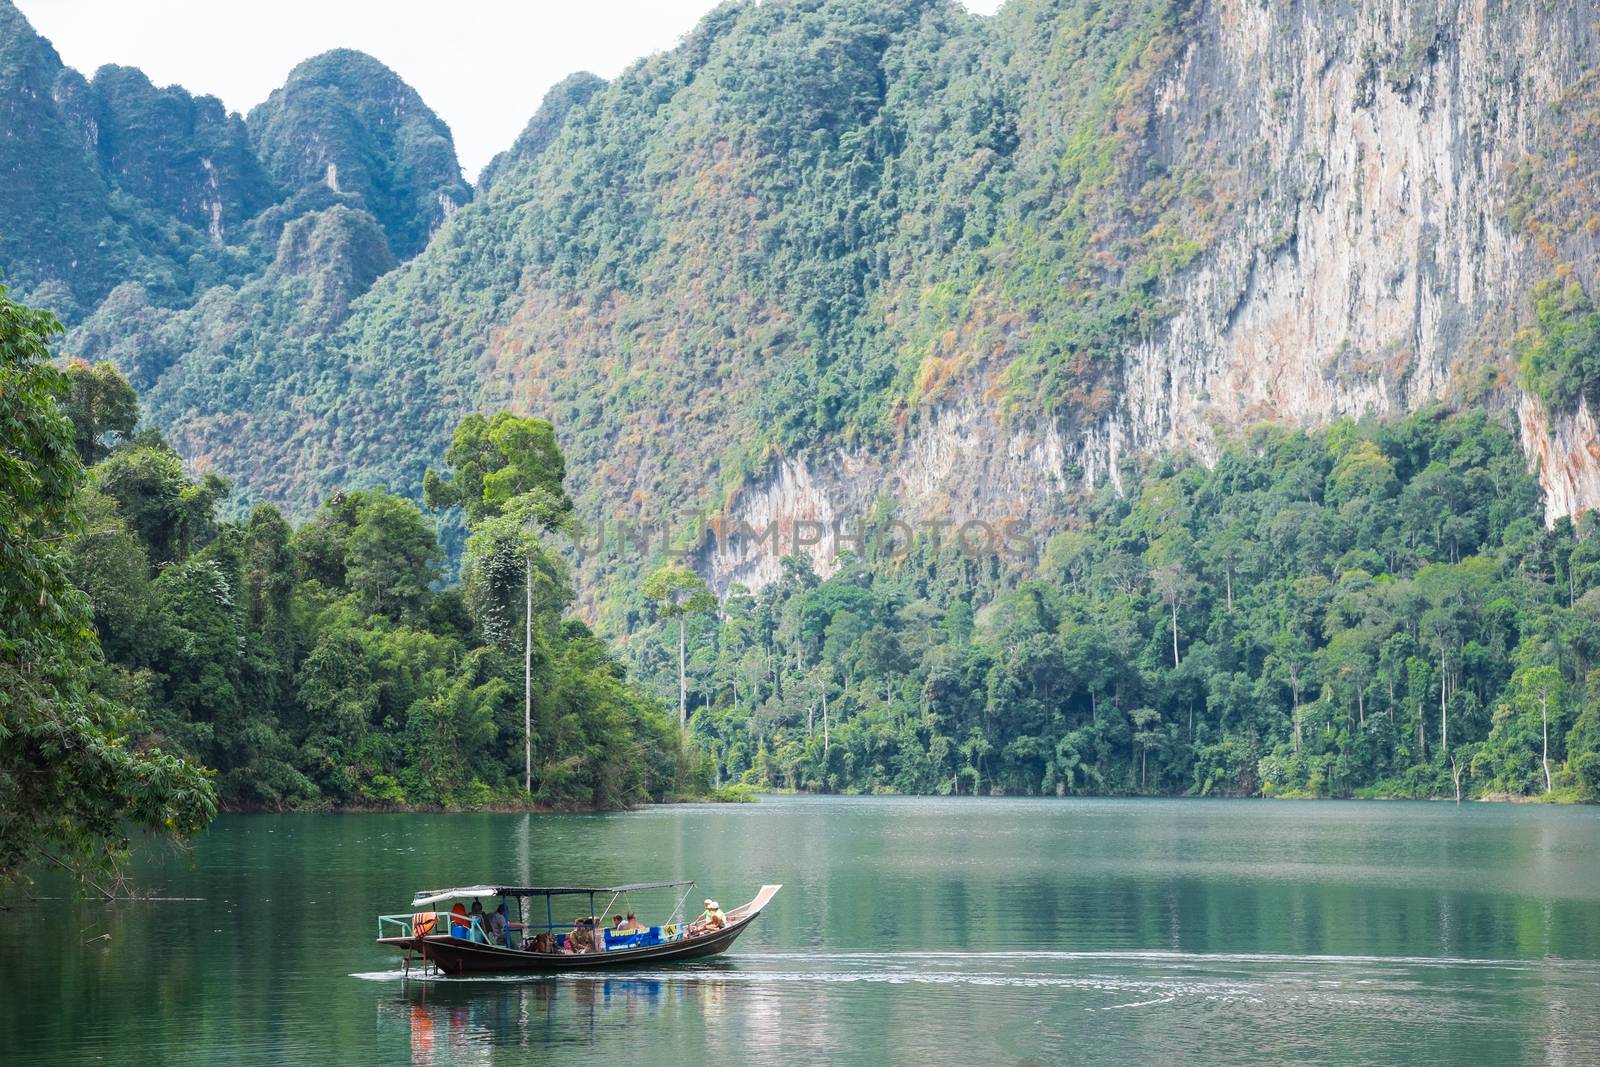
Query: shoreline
(532, 809)
(433, 809)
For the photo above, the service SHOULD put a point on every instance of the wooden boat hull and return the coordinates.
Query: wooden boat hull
(454, 956)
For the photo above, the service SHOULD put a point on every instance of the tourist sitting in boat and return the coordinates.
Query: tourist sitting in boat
(475, 919)
(630, 924)
(581, 939)
(709, 920)
(497, 926)
(543, 942)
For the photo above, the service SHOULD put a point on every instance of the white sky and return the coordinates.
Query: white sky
(482, 65)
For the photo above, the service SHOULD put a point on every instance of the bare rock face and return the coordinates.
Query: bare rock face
(1565, 451)
(964, 478)
(1370, 264)
(1376, 262)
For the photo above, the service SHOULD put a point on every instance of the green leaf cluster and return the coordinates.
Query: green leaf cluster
(1560, 352)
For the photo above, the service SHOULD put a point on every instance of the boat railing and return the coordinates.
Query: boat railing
(426, 923)
(396, 925)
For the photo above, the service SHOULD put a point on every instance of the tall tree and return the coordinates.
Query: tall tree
(1540, 687)
(506, 474)
(1175, 587)
(516, 529)
(679, 592)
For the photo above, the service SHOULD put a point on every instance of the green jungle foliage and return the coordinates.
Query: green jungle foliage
(1373, 611)
(71, 783)
(328, 665)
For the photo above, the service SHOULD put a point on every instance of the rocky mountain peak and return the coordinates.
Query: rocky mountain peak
(345, 128)
(114, 180)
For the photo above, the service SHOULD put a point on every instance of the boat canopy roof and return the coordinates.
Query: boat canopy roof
(434, 896)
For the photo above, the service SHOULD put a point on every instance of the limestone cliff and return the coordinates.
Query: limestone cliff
(1370, 265)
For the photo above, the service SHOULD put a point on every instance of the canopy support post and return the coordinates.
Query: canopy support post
(673, 918)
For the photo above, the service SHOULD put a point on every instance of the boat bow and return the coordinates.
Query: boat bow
(752, 909)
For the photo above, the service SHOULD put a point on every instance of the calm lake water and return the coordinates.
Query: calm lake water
(908, 930)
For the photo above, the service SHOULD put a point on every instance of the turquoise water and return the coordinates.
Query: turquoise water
(908, 930)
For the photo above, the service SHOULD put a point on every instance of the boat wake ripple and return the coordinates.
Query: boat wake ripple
(1094, 981)
(1163, 956)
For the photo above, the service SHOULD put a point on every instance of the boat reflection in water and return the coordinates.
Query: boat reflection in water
(454, 1021)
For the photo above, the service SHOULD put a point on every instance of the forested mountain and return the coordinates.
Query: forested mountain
(836, 260)
(113, 182)
(69, 230)
(825, 251)
(344, 129)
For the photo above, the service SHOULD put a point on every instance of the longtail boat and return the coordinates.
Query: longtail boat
(458, 942)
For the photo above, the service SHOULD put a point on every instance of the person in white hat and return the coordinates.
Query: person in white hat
(710, 919)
